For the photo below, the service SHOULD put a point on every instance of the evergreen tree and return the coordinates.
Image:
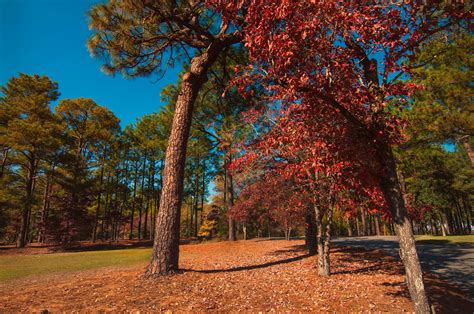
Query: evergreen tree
(29, 129)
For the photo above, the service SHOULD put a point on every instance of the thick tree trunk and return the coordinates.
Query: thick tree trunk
(392, 192)
(310, 232)
(323, 241)
(165, 255)
(326, 271)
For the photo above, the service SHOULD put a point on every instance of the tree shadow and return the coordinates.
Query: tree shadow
(276, 239)
(249, 267)
(445, 296)
(377, 261)
(452, 262)
(290, 250)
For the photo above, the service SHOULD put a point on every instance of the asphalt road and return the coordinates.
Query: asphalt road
(453, 262)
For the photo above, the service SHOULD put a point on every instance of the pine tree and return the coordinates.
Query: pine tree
(31, 131)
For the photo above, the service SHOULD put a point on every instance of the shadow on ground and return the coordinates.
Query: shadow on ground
(445, 297)
(452, 262)
(248, 267)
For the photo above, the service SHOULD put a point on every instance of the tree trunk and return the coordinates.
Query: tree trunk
(357, 225)
(158, 198)
(310, 232)
(153, 193)
(467, 208)
(322, 243)
(25, 213)
(377, 225)
(134, 199)
(326, 271)
(46, 204)
(165, 255)
(230, 195)
(148, 192)
(203, 192)
(4, 161)
(97, 210)
(364, 221)
(392, 192)
(196, 208)
(142, 199)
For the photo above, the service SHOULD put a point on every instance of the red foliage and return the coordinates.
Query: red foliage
(271, 198)
(329, 73)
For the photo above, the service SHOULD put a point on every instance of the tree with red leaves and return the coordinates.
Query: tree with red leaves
(321, 159)
(349, 57)
(271, 197)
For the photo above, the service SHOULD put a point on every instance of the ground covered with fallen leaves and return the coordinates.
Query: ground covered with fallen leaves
(255, 275)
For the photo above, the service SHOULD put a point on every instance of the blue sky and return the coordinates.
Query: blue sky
(48, 37)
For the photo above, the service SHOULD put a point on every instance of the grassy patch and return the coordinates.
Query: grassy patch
(450, 239)
(18, 266)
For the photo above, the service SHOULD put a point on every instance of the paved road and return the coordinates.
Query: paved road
(453, 262)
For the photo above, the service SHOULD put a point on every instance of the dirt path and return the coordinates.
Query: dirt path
(245, 275)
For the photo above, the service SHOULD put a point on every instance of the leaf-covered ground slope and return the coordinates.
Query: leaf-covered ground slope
(245, 275)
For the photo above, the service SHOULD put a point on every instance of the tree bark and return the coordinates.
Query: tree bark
(323, 241)
(393, 195)
(165, 255)
(310, 232)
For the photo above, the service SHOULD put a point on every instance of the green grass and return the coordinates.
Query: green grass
(19, 266)
(451, 239)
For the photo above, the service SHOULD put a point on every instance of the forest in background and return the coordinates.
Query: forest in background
(71, 174)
